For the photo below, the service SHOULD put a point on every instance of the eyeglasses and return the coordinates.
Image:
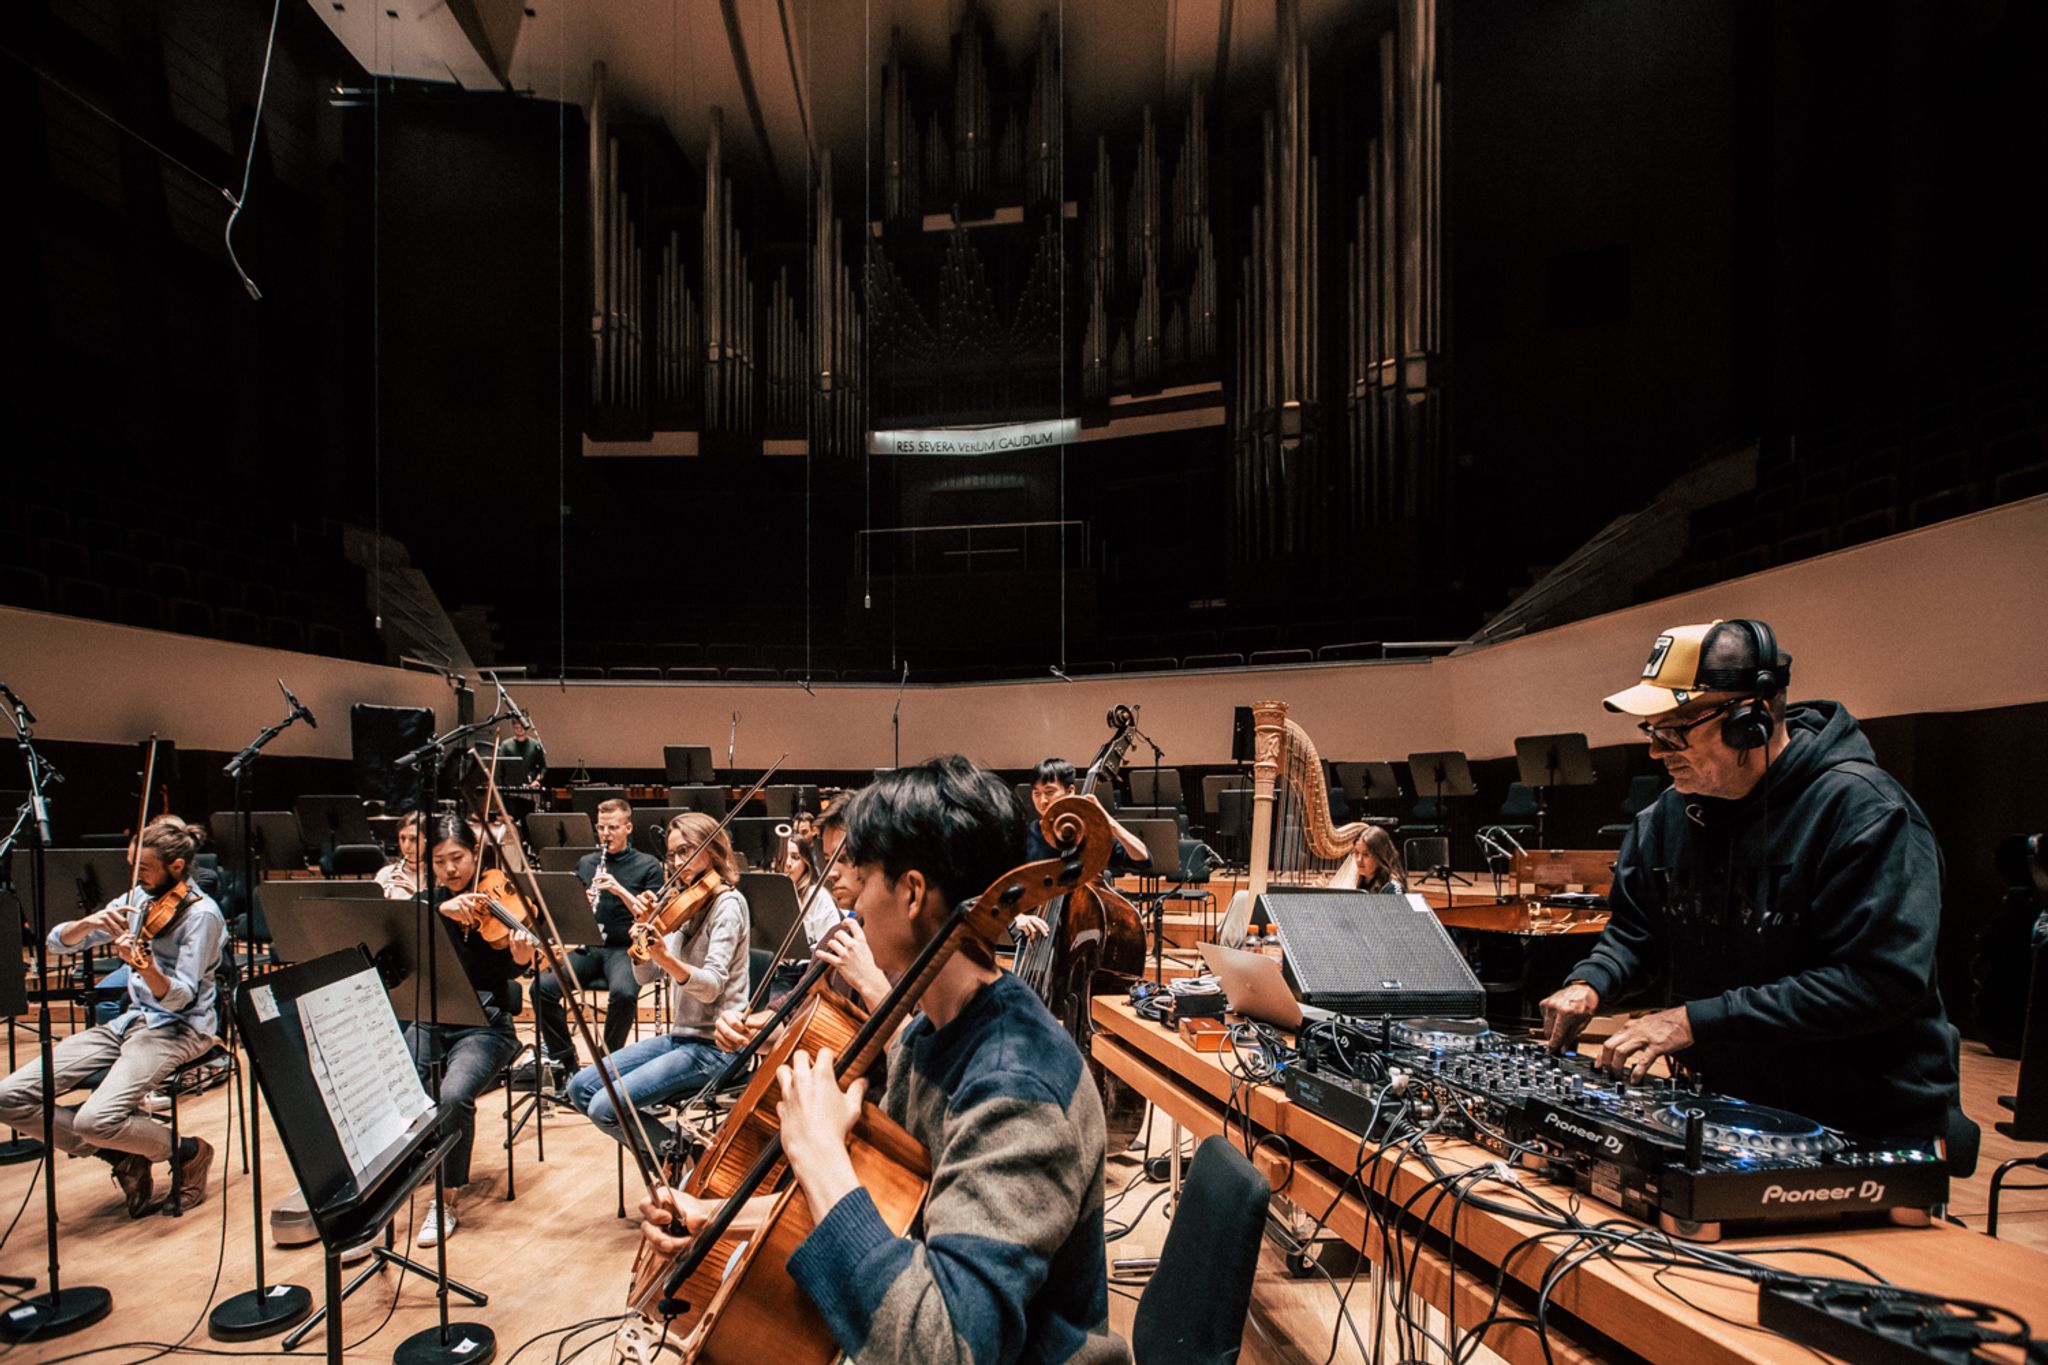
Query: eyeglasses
(1675, 737)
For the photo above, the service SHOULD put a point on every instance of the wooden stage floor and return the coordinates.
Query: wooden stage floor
(558, 1255)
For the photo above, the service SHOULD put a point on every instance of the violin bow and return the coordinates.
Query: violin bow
(556, 952)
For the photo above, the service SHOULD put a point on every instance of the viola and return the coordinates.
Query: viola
(501, 911)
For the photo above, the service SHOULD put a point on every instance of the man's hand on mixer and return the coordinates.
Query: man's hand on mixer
(1566, 1014)
(1644, 1039)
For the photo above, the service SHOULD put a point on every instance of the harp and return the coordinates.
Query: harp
(1294, 840)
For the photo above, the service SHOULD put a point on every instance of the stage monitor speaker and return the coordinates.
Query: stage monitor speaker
(1364, 952)
(380, 736)
(1243, 747)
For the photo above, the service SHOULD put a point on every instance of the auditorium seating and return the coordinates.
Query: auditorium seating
(1948, 451)
(287, 587)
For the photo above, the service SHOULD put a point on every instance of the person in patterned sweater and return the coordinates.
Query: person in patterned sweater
(1007, 1261)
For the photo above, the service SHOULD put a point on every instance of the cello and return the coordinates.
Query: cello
(727, 1295)
(1095, 945)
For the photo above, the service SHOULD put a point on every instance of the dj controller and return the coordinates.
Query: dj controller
(1689, 1160)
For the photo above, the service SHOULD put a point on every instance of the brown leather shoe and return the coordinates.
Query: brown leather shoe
(131, 1173)
(192, 1176)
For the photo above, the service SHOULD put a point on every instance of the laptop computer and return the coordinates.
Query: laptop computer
(1255, 988)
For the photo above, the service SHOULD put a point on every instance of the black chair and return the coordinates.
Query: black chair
(1193, 1311)
(203, 1072)
(1641, 792)
(1518, 812)
(357, 860)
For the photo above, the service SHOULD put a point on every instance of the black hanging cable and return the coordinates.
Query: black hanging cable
(249, 163)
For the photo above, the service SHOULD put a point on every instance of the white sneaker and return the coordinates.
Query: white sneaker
(157, 1103)
(440, 1223)
(361, 1250)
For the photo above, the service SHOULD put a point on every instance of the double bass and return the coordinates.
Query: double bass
(1095, 945)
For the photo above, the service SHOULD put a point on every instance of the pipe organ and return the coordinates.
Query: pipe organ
(993, 284)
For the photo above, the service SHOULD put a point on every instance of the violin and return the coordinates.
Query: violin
(151, 918)
(500, 912)
(673, 909)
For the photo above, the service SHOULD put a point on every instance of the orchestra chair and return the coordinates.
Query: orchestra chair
(358, 860)
(1188, 881)
(194, 1076)
(1641, 792)
(1193, 1310)
(1518, 812)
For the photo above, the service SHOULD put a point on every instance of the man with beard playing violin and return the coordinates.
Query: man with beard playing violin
(1007, 1261)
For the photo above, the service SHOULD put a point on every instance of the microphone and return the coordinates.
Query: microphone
(17, 703)
(1060, 673)
(298, 707)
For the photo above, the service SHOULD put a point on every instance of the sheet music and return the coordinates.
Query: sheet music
(361, 1065)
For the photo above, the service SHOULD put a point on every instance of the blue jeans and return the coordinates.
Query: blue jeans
(649, 1072)
(470, 1058)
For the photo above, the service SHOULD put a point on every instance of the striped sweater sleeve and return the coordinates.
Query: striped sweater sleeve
(1010, 1184)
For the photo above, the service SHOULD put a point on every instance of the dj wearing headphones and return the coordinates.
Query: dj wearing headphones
(1783, 898)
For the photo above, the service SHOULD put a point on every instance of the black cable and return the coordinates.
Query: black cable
(42, 1162)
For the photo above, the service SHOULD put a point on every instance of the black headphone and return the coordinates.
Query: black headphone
(1750, 725)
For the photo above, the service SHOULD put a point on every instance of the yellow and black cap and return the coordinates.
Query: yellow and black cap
(1719, 656)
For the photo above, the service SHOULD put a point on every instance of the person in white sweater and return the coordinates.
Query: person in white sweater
(705, 961)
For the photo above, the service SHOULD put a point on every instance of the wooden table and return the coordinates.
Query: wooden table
(1603, 1310)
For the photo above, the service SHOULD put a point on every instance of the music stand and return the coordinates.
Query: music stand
(1546, 761)
(1213, 787)
(585, 800)
(568, 905)
(772, 907)
(650, 828)
(90, 877)
(781, 801)
(1364, 783)
(288, 891)
(1234, 821)
(560, 829)
(328, 822)
(754, 836)
(564, 859)
(307, 929)
(1160, 787)
(1445, 773)
(687, 765)
(349, 1199)
(710, 800)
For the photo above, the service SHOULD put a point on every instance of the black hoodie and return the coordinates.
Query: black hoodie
(1797, 925)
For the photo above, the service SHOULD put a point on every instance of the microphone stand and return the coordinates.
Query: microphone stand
(267, 1308)
(61, 1311)
(445, 1343)
(896, 715)
(21, 1147)
(1159, 876)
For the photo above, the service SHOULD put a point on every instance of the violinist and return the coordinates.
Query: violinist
(705, 960)
(1008, 1262)
(616, 876)
(169, 1021)
(401, 877)
(491, 956)
(1052, 779)
(803, 864)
